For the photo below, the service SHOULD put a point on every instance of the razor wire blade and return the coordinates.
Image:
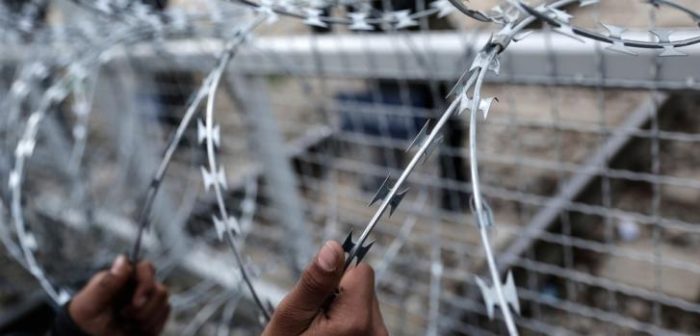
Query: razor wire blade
(514, 17)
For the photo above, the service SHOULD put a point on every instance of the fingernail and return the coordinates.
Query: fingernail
(118, 264)
(327, 257)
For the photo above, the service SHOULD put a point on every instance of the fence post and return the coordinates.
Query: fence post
(251, 95)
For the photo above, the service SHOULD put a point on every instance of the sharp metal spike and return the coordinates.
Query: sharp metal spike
(444, 8)
(230, 224)
(348, 245)
(404, 19)
(362, 252)
(481, 61)
(489, 298)
(664, 35)
(511, 293)
(420, 138)
(670, 51)
(459, 85)
(618, 45)
(495, 65)
(213, 178)
(313, 18)
(382, 192)
(615, 31)
(490, 295)
(432, 146)
(203, 133)
(359, 22)
(485, 105)
(396, 200)
(559, 14)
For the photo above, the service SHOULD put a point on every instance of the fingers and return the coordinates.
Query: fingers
(156, 325)
(356, 289)
(98, 295)
(150, 317)
(320, 279)
(146, 283)
(102, 289)
(356, 310)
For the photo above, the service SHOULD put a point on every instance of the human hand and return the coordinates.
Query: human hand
(94, 309)
(354, 312)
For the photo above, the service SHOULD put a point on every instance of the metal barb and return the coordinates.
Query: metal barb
(396, 200)
(204, 133)
(359, 21)
(214, 178)
(403, 19)
(354, 251)
(444, 7)
(382, 192)
(420, 137)
(222, 226)
(313, 18)
(491, 297)
(664, 37)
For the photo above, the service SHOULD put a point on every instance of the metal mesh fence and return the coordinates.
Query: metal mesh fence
(587, 183)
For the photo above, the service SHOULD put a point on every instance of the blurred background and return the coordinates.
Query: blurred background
(586, 159)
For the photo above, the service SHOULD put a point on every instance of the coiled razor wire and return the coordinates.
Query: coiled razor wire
(55, 94)
(391, 194)
(60, 91)
(514, 16)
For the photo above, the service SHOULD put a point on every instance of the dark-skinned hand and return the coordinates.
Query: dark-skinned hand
(355, 311)
(94, 309)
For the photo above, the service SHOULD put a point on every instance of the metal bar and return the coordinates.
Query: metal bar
(251, 94)
(578, 183)
(527, 61)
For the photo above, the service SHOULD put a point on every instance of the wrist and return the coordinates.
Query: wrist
(65, 323)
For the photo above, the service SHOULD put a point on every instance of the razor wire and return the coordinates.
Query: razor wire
(26, 145)
(513, 18)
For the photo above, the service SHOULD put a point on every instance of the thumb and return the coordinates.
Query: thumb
(104, 287)
(320, 279)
